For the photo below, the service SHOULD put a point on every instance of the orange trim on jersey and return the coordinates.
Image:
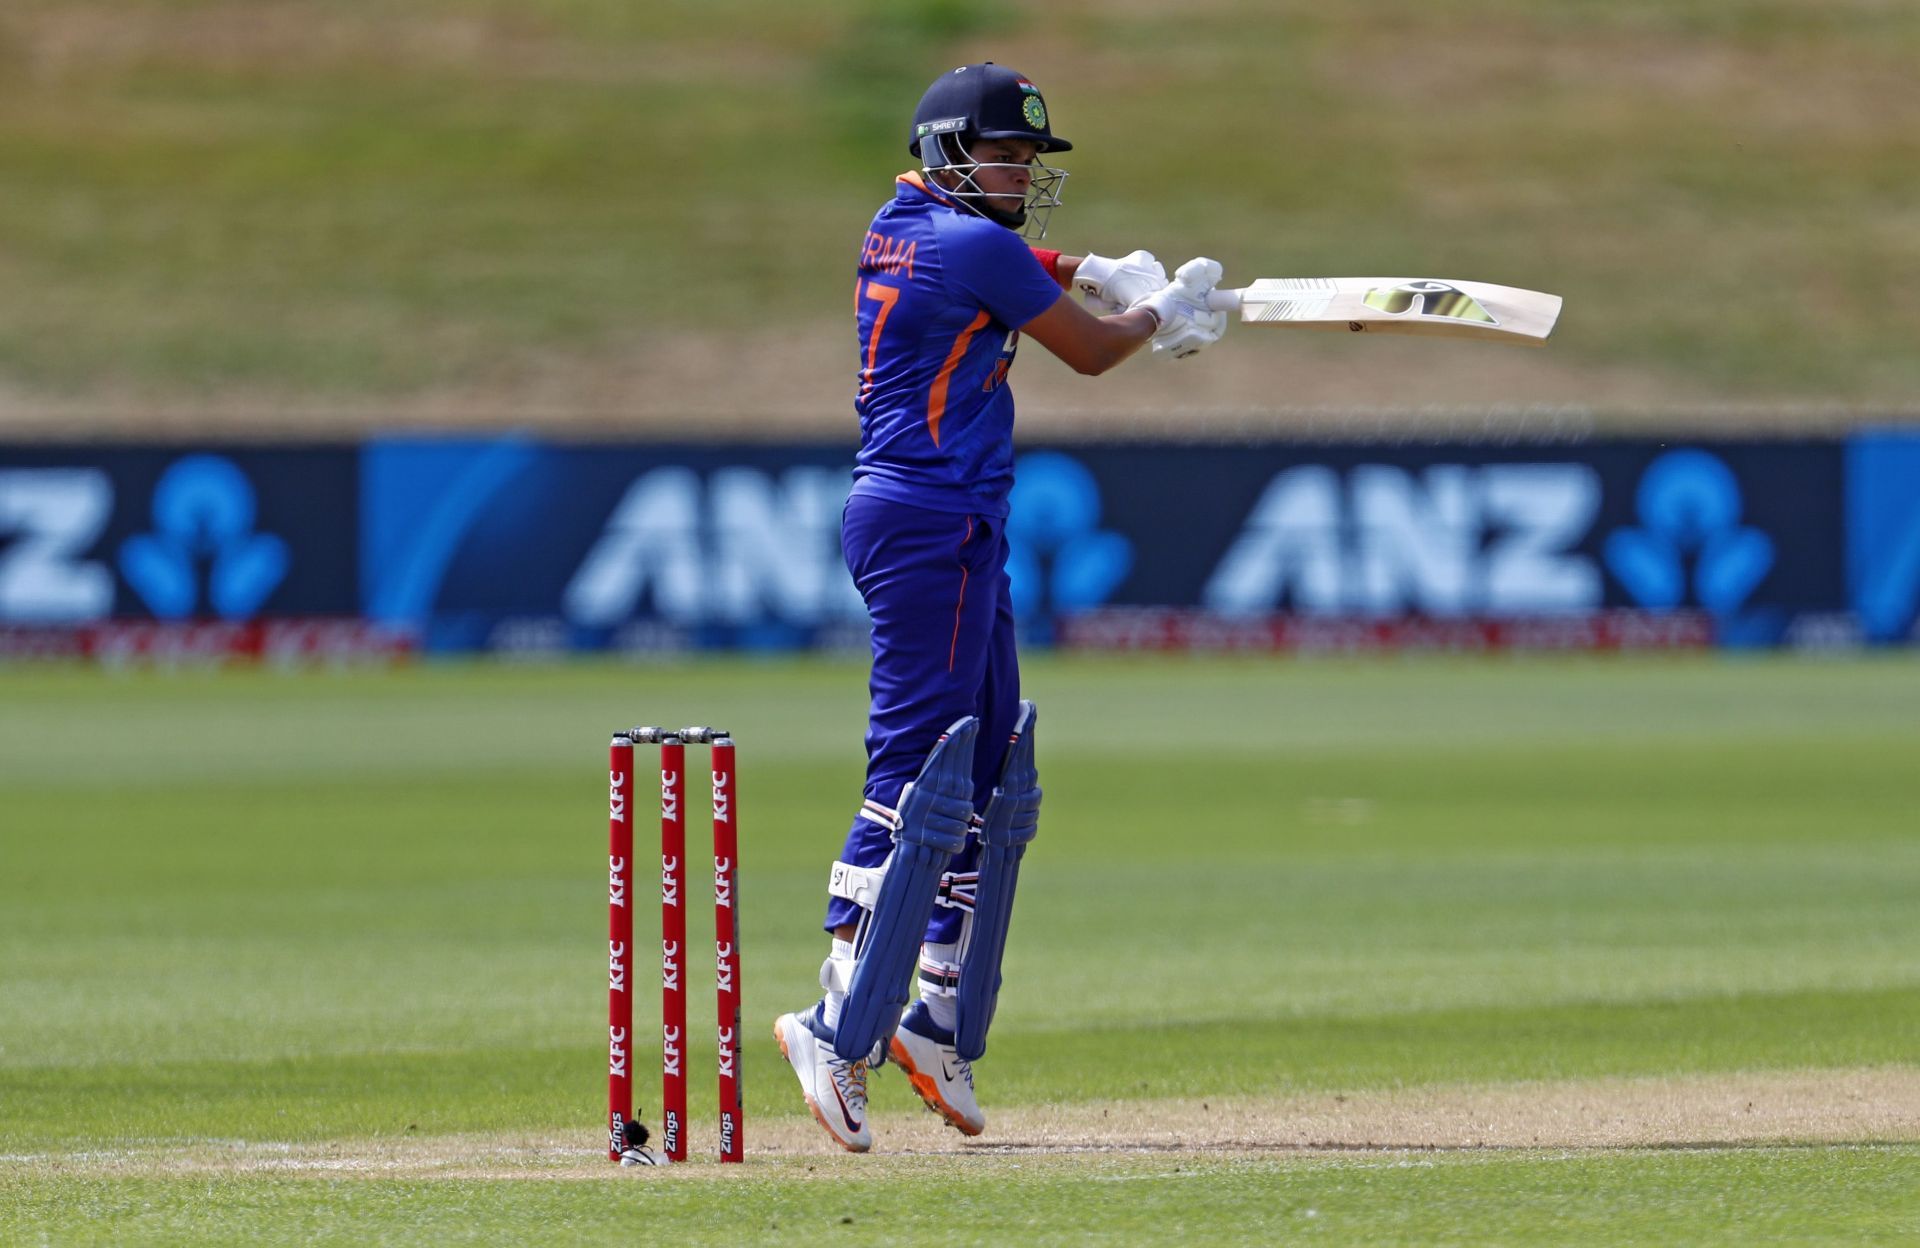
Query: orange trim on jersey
(912, 178)
(954, 648)
(937, 394)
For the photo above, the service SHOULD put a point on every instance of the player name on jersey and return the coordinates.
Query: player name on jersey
(884, 254)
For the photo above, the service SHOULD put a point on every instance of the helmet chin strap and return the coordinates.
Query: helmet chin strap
(1012, 220)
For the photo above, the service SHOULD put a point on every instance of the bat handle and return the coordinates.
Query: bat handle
(1223, 300)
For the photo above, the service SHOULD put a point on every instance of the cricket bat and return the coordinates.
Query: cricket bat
(1396, 305)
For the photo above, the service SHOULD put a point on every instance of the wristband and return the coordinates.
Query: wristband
(1050, 261)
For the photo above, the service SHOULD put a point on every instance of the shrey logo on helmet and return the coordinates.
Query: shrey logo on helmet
(946, 125)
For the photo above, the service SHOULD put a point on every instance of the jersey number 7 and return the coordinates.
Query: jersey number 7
(886, 296)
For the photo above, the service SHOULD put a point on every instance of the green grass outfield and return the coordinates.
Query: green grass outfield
(1438, 951)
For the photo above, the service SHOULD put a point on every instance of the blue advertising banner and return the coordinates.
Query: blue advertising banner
(512, 544)
(1748, 533)
(165, 533)
(1883, 534)
(202, 554)
(519, 545)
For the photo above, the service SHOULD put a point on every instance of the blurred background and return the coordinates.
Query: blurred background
(345, 332)
(563, 235)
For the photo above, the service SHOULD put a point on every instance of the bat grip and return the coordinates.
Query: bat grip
(1223, 300)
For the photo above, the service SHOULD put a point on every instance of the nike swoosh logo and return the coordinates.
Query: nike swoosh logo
(845, 1116)
(946, 1071)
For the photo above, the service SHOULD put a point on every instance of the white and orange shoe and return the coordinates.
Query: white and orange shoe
(836, 1090)
(943, 1078)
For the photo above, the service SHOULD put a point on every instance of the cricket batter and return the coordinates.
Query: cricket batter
(944, 291)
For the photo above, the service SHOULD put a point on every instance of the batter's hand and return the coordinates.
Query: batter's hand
(1110, 286)
(1187, 325)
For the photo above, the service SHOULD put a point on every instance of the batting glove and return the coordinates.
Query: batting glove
(1187, 325)
(1110, 285)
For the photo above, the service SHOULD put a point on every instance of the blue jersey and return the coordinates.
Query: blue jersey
(940, 299)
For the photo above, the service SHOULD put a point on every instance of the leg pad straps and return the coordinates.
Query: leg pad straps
(935, 809)
(1010, 823)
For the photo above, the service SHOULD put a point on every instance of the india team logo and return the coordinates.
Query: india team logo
(1032, 107)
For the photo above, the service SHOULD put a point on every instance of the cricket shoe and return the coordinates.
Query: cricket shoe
(836, 1090)
(944, 1079)
(634, 1150)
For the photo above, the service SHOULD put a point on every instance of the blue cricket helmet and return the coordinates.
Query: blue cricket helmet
(984, 101)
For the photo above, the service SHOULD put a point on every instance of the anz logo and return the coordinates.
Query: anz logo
(201, 554)
(203, 514)
(1060, 558)
(1690, 546)
(740, 546)
(1446, 540)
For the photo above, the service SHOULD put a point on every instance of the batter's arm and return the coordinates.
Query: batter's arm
(1089, 344)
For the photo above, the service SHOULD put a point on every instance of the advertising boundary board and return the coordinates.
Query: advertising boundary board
(511, 544)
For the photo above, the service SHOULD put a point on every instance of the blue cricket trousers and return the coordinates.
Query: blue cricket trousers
(936, 588)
